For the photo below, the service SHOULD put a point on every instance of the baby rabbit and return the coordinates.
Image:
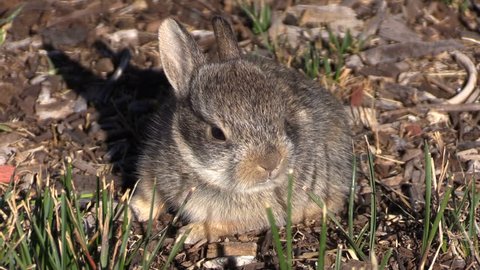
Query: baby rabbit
(233, 130)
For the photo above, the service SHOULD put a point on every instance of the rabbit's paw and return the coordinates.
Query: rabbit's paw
(194, 232)
(140, 210)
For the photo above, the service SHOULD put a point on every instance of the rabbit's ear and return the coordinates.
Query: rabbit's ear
(179, 54)
(227, 43)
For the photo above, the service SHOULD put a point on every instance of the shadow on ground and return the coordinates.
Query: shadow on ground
(123, 103)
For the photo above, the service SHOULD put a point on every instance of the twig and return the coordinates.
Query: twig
(469, 88)
(441, 85)
(471, 40)
(474, 96)
(470, 107)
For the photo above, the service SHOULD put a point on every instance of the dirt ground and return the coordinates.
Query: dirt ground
(80, 78)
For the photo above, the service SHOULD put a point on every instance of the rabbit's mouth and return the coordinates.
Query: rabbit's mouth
(259, 179)
(258, 187)
(262, 167)
(271, 180)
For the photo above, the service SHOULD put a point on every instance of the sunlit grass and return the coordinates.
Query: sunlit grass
(50, 228)
(47, 227)
(5, 23)
(363, 243)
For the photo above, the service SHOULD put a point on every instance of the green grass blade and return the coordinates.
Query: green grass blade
(338, 68)
(385, 259)
(9, 19)
(24, 250)
(474, 199)
(63, 242)
(458, 208)
(256, 24)
(326, 66)
(158, 246)
(42, 222)
(265, 17)
(323, 240)
(428, 196)
(182, 206)
(312, 61)
(126, 225)
(106, 232)
(436, 222)
(176, 248)
(77, 218)
(162, 234)
(289, 220)
(12, 16)
(338, 258)
(149, 228)
(333, 40)
(6, 128)
(276, 239)
(14, 260)
(45, 204)
(346, 42)
(40, 243)
(67, 180)
(373, 204)
(98, 203)
(56, 262)
(352, 243)
(80, 236)
(351, 199)
(360, 238)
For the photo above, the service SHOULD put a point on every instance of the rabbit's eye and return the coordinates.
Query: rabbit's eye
(217, 134)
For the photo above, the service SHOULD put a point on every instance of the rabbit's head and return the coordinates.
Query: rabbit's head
(227, 128)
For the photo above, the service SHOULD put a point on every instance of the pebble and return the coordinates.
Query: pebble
(104, 65)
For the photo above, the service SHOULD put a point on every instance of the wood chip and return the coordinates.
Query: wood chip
(225, 249)
(396, 52)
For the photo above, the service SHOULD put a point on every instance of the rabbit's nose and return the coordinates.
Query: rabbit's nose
(270, 163)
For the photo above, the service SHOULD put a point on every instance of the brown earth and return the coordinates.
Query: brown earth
(61, 98)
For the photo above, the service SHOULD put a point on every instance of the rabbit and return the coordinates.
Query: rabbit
(232, 130)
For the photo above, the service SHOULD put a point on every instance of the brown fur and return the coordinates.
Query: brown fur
(273, 121)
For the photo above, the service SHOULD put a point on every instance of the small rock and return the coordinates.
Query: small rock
(354, 62)
(291, 35)
(45, 96)
(85, 183)
(80, 105)
(396, 52)
(469, 154)
(411, 154)
(394, 28)
(5, 154)
(231, 249)
(27, 105)
(124, 37)
(8, 91)
(222, 262)
(353, 264)
(38, 79)
(56, 110)
(84, 166)
(382, 70)
(104, 65)
(152, 27)
(436, 118)
(65, 34)
(339, 18)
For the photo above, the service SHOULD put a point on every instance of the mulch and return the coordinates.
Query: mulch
(79, 80)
